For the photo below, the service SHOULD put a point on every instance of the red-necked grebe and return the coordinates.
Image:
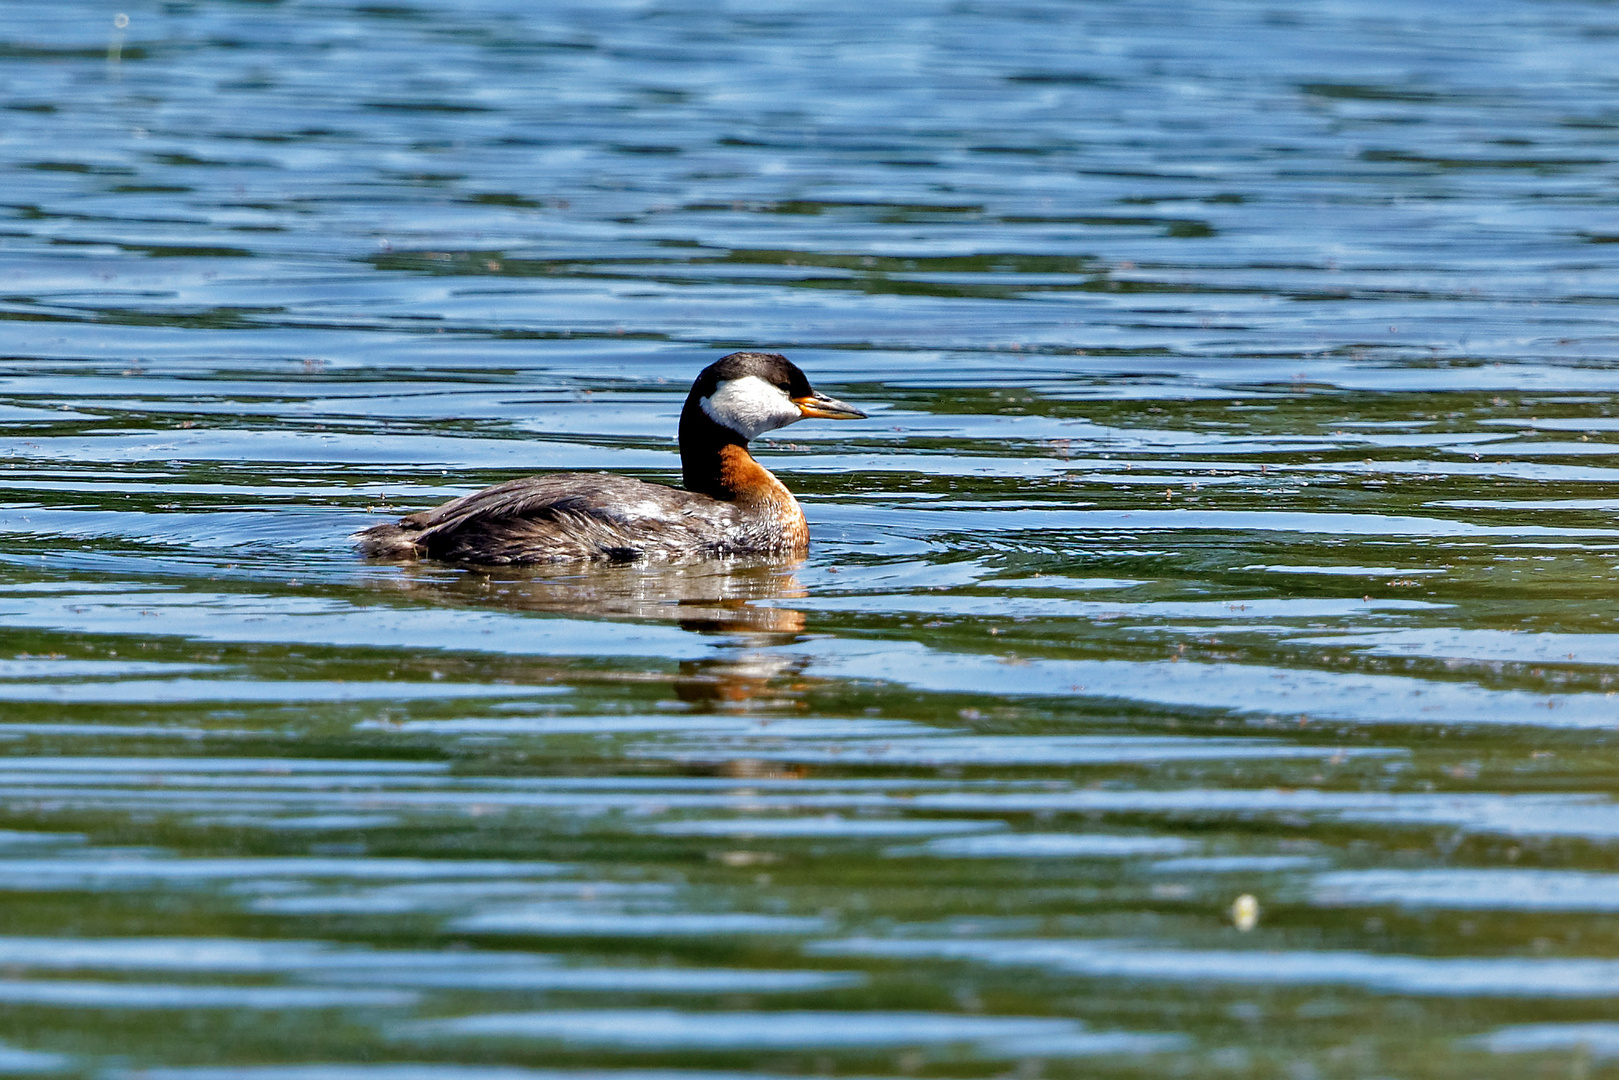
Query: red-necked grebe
(731, 504)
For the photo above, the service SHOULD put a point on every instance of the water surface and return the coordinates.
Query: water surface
(1236, 516)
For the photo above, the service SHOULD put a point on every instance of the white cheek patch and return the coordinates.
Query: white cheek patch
(750, 407)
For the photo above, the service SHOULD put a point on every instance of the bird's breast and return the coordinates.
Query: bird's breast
(760, 496)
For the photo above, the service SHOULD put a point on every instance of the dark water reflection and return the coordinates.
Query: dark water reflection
(1236, 518)
(716, 596)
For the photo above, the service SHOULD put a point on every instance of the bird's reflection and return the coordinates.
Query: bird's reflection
(713, 596)
(742, 680)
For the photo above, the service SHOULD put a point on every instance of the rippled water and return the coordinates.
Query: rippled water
(1236, 517)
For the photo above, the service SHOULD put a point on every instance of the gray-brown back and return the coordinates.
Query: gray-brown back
(565, 517)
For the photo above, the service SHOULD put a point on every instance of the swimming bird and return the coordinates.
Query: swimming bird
(731, 505)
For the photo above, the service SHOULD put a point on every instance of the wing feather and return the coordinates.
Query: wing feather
(564, 517)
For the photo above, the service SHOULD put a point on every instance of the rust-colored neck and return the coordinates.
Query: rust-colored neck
(715, 462)
(746, 481)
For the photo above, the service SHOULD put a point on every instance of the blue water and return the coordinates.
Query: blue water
(1204, 665)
